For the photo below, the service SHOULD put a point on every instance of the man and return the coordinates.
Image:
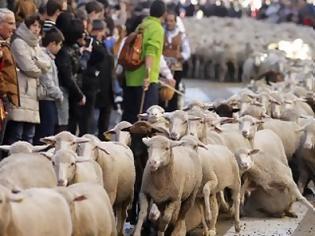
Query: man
(97, 83)
(53, 9)
(176, 52)
(9, 90)
(144, 80)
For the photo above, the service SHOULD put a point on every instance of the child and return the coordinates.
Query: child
(49, 92)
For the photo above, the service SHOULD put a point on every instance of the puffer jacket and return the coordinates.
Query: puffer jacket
(30, 63)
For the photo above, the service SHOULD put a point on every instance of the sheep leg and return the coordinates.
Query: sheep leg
(167, 216)
(303, 178)
(243, 190)
(236, 69)
(215, 213)
(225, 206)
(294, 190)
(236, 203)
(144, 204)
(203, 219)
(121, 217)
(222, 71)
(206, 195)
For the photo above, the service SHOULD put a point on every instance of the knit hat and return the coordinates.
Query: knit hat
(98, 25)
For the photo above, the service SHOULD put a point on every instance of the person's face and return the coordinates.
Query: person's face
(55, 47)
(35, 28)
(7, 26)
(64, 6)
(170, 22)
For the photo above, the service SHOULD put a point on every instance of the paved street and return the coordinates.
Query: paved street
(304, 225)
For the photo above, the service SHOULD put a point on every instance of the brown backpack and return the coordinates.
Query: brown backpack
(130, 55)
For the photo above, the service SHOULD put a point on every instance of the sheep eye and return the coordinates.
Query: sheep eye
(72, 164)
(167, 148)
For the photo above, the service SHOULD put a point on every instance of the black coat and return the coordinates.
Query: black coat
(68, 65)
(98, 77)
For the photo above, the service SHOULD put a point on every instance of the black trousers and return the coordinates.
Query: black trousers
(172, 104)
(48, 120)
(132, 101)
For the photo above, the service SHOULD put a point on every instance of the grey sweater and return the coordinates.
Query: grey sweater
(48, 82)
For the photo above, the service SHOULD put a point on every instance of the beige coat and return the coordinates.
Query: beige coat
(28, 57)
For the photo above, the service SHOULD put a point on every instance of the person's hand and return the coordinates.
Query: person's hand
(171, 82)
(83, 101)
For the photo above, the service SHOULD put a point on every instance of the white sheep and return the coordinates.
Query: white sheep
(35, 211)
(90, 208)
(180, 167)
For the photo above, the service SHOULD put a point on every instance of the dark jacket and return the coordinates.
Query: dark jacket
(68, 65)
(97, 79)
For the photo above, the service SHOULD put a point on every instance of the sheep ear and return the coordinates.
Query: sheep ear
(16, 197)
(143, 116)
(40, 147)
(201, 144)
(176, 143)
(146, 141)
(217, 129)
(49, 140)
(81, 140)
(48, 155)
(103, 148)
(259, 122)
(193, 118)
(253, 151)
(79, 198)
(82, 159)
(265, 116)
(224, 120)
(168, 115)
(5, 148)
(109, 134)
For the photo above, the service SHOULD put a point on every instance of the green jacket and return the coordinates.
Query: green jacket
(153, 41)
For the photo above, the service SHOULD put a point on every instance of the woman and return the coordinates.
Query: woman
(28, 55)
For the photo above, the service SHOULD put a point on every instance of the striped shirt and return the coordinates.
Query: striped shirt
(48, 24)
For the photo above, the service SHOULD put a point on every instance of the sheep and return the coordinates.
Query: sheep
(90, 208)
(269, 175)
(64, 140)
(154, 115)
(219, 171)
(71, 168)
(178, 166)
(283, 133)
(117, 163)
(26, 170)
(120, 135)
(137, 131)
(22, 147)
(305, 154)
(35, 211)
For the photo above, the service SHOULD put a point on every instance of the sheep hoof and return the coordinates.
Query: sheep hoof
(212, 232)
(291, 214)
(237, 227)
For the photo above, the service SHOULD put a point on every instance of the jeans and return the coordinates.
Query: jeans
(48, 120)
(132, 101)
(20, 131)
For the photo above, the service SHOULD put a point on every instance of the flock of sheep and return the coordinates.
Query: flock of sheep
(238, 49)
(250, 154)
